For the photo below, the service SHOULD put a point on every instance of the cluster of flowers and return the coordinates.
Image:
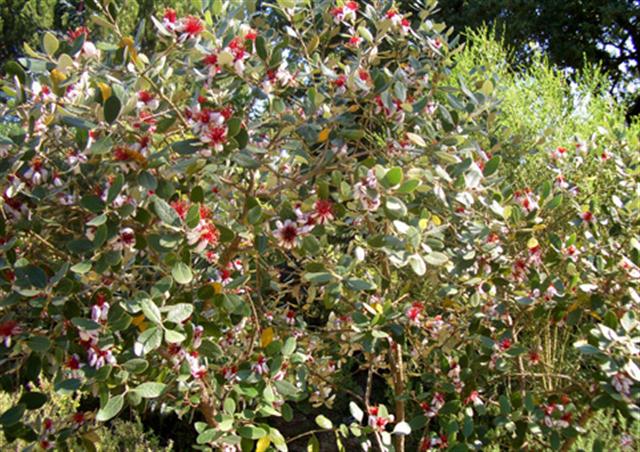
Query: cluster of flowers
(205, 234)
(289, 232)
(179, 354)
(377, 419)
(210, 126)
(556, 415)
(366, 192)
(186, 28)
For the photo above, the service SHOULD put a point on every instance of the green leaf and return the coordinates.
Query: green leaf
(33, 400)
(289, 347)
(150, 389)
(193, 216)
(402, 428)
(180, 312)
(313, 445)
(318, 277)
(111, 409)
(358, 284)
(417, 264)
(393, 177)
(278, 440)
(356, 412)
(78, 122)
(229, 405)
(147, 180)
(151, 311)
(233, 127)
(254, 215)
(174, 337)
(436, 258)
(324, 422)
(149, 340)
(82, 267)
(554, 202)
(39, 344)
(261, 48)
(408, 186)
(286, 389)
(182, 273)
(13, 415)
(491, 166)
(85, 324)
(136, 365)
(115, 188)
(165, 212)
(251, 432)
(112, 107)
(187, 147)
(395, 207)
(50, 43)
(311, 245)
(67, 387)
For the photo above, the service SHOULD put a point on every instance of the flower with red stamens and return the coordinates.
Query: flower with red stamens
(9, 329)
(323, 211)
(287, 233)
(587, 216)
(72, 35)
(190, 27)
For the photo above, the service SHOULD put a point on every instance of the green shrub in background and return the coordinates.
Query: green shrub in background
(118, 435)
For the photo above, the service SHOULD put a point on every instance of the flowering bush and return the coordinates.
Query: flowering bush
(279, 203)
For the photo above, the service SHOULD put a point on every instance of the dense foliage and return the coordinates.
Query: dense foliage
(263, 219)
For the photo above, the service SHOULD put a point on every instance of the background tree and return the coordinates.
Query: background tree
(571, 33)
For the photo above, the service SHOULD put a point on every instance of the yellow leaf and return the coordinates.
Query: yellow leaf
(324, 135)
(539, 227)
(435, 219)
(263, 444)
(266, 337)
(217, 287)
(127, 41)
(105, 90)
(139, 322)
(532, 243)
(354, 108)
(423, 223)
(57, 76)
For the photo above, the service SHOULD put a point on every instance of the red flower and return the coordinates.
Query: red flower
(323, 211)
(72, 35)
(7, 330)
(534, 357)
(192, 26)
(78, 418)
(587, 217)
(211, 60)
(181, 208)
(340, 81)
(170, 15)
(505, 343)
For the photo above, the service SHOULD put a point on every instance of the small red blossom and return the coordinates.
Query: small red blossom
(323, 212)
(505, 344)
(192, 26)
(170, 15)
(72, 35)
(587, 217)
